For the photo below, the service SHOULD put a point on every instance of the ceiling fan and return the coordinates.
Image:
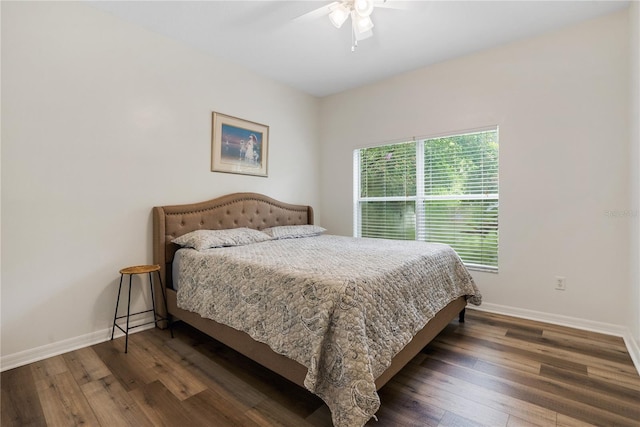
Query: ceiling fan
(358, 10)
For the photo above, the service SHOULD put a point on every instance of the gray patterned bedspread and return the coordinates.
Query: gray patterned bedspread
(342, 307)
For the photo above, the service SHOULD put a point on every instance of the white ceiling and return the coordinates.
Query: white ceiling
(315, 57)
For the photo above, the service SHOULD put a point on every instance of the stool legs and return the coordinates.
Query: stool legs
(156, 317)
(115, 316)
(153, 300)
(113, 329)
(126, 339)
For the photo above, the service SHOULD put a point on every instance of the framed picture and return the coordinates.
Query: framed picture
(239, 146)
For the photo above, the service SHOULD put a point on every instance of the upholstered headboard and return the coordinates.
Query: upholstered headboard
(235, 210)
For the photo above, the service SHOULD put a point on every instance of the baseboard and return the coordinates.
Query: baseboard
(572, 322)
(634, 349)
(39, 353)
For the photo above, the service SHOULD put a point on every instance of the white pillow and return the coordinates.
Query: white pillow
(294, 231)
(205, 239)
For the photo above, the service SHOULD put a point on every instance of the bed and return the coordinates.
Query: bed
(348, 383)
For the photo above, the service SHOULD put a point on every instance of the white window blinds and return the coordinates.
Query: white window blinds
(437, 190)
(387, 191)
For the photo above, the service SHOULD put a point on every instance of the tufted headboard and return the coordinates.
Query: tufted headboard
(235, 210)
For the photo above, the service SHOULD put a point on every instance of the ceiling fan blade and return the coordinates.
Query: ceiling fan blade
(316, 13)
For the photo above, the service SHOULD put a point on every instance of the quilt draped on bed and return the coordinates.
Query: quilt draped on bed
(340, 306)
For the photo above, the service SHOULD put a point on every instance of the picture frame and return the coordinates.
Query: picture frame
(239, 146)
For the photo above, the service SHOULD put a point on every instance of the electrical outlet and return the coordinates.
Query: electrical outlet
(561, 285)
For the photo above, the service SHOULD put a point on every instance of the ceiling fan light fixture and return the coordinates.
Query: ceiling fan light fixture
(339, 15)
(363, 7)
(361, 25)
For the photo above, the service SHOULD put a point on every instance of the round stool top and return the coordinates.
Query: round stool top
(139, 269)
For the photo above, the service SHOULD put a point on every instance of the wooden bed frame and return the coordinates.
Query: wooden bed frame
(256, 211)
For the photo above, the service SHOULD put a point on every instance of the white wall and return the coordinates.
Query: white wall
(101, 121)
(561, 102)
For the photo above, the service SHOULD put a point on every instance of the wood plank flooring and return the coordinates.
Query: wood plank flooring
(490, 371)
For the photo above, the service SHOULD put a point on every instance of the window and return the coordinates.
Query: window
(436, 190)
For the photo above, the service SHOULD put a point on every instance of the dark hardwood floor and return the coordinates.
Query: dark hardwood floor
(492, 370)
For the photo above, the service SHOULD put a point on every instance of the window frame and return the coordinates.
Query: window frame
(420, 198)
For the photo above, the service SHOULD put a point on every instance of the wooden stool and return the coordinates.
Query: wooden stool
(139, 269)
